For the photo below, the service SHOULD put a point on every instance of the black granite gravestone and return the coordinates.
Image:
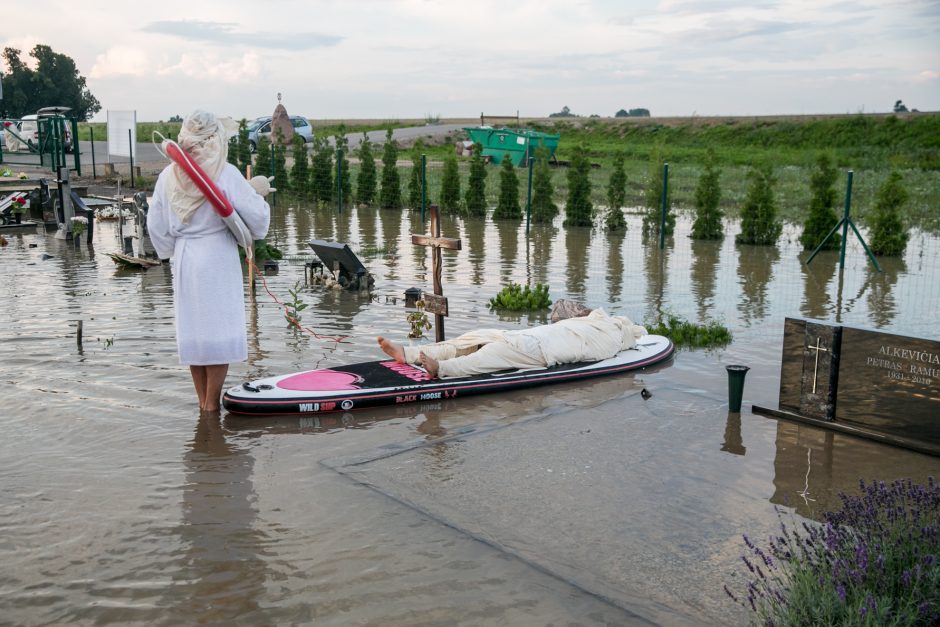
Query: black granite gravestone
(869, 383)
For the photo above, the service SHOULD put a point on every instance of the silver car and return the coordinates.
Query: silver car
(261, 127)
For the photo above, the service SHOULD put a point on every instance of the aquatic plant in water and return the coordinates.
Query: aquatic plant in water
(874, 562)
(515, 297)
(708, 334)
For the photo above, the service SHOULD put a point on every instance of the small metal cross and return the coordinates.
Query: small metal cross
(816, 348)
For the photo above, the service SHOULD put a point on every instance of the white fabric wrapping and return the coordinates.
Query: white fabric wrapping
(208, 287)
(204, 138)
(593, 337)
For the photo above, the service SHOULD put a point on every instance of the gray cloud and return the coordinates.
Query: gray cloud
(225, 33)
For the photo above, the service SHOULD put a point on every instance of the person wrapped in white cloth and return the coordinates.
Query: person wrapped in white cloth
(208, 290)
(591, 337)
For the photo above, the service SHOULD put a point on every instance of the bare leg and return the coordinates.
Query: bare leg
(430, 364)
(393, 350)
(215, 379)
(199, 381)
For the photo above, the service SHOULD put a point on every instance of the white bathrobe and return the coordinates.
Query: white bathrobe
(593, 337)
(208, 286)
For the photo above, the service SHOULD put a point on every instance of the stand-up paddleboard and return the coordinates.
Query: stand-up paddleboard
(376, 383)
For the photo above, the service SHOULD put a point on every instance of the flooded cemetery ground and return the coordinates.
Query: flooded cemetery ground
(581, 503)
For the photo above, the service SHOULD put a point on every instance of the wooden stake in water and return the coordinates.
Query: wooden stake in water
(78, 335)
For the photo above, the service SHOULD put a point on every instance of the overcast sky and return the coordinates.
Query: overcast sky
(453, 58)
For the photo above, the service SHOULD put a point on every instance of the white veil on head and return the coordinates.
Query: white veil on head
(204, 138)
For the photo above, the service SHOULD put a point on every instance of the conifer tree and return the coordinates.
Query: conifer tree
(390, 195)
(263, 158)
(242, 147)
(342, 152)
(414, 179)
(578, 208)
(822, 216)
(888, 234)
(450, 185)
(759, 224)
(616, 196)
(544, 208)
(231, 155)
(365, 185)
(476, 185)
(280, 162)
(300, 171)
(654, 197)
(322, 172)
(708, 215)
(507, 207)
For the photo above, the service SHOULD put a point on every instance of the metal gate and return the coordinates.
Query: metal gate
(40, 140)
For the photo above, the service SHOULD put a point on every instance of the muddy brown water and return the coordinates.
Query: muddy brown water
(121, 505)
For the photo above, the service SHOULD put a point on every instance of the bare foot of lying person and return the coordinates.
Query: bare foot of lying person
(430, 364)
(393, 350)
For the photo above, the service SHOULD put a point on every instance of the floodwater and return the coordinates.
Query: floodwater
(120, 504)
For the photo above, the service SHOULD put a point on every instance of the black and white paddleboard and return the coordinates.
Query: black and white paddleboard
(376, 383)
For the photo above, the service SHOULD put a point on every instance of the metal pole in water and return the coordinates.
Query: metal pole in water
(78, 335)
(528, 198)
(130, 148)
(845, 218)
(662, 218)
(94, 171)
(424, 185)
(339, 180)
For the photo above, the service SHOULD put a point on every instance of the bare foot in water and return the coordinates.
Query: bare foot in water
(430, 364)
(393, 350)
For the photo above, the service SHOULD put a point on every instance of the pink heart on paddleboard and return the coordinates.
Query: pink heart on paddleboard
(320, 380)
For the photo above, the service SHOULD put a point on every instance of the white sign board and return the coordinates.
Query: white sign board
(119, 123)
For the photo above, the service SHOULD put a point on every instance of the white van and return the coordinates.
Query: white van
(29, 130)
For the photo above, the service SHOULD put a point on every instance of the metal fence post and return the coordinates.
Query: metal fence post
(662, 218)
(528, 198)
(339, 180)
(424, 185)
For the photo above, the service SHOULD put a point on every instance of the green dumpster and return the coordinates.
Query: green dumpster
(518, 143)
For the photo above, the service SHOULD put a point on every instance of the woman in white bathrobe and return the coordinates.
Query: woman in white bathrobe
(208, 286)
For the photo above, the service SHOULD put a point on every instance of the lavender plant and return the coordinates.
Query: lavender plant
(875, 562)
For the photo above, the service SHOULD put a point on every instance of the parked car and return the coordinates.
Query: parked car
(29, 126)
(261, 127)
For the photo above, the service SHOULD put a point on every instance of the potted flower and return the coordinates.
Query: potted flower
(20, 205)
(79, 224)
(418, 319)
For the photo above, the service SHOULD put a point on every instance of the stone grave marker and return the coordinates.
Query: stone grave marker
(869, 383)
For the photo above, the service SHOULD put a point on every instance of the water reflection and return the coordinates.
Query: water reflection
(577, 242)
(733, 442)
(223, 570)
(811, 467)
(614, 266)
(817, 276)
(755, 271)
(367, 220)
(882, 306)
(391, 236)
(343, 225)
(540, 238)
(475, 236)
(705, 256)
(655, 267)
(508, 233)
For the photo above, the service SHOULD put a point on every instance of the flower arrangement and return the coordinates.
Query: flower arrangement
(20, 204)
(79, 224)
(419, 321)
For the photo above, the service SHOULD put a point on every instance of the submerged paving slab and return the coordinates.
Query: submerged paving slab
(634, 501)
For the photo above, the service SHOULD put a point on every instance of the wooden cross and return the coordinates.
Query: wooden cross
(816, 348)
(436, 303)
